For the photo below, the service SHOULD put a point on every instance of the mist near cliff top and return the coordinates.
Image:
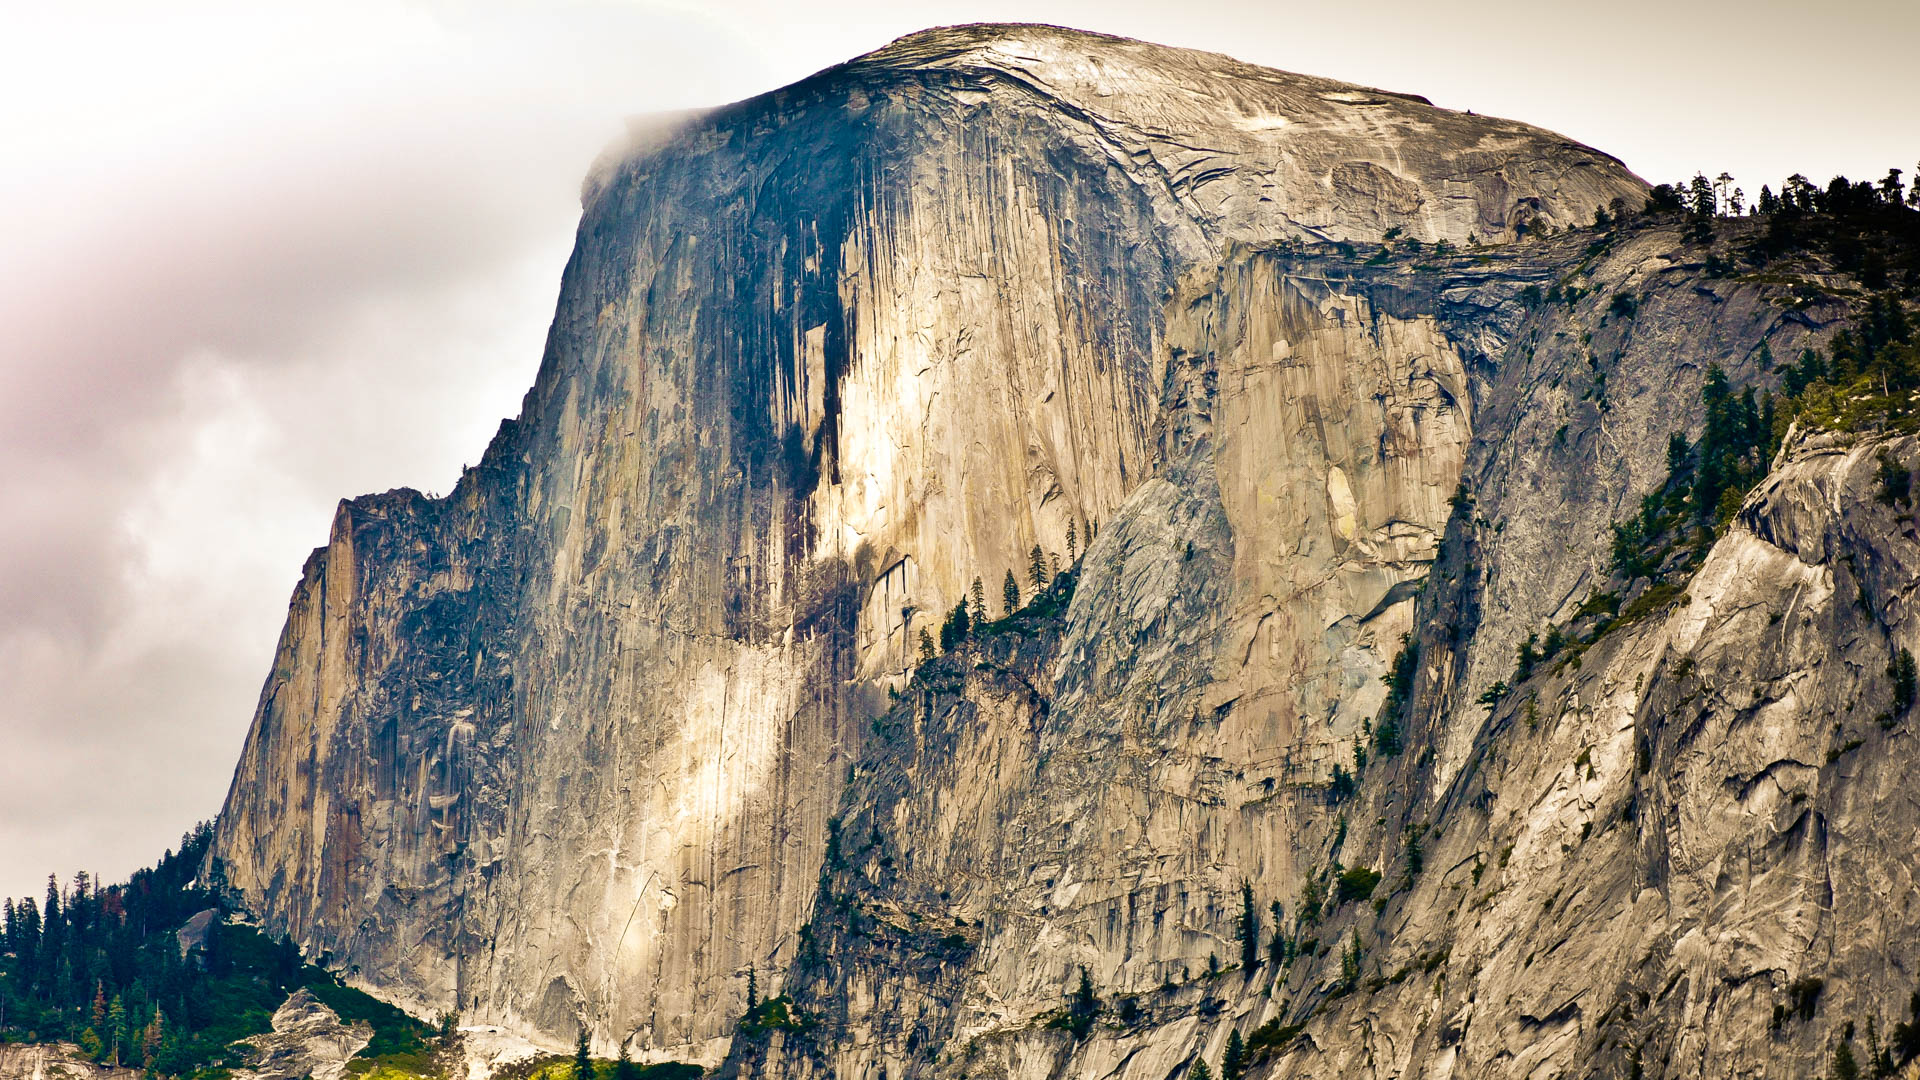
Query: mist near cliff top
(263, 257)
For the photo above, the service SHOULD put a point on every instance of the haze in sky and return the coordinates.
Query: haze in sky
(259, 257)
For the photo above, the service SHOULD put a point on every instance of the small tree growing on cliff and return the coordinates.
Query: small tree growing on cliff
(1085, 1005)
(1010, 593)
(926, 646)
(1845, 1067)
(1249, 930)
(1311, 897)
(1350, 958)
(979, 601)
(1200, 1071)
(1081, 1008)
(1233, 1062)
(582, 1056)
(956, 628)
(1037, 569)
(753, 990)
(1071, 538)
(1901, 669)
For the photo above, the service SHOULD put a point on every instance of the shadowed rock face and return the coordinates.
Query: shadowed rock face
(562, 747)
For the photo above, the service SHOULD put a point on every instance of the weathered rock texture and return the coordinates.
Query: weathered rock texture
(1632, 858)
(563, 747)
(308, 1042)
(55, 1061)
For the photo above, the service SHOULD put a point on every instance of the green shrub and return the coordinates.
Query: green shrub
(1896, 481)
(1357, 883)
(1901, 670)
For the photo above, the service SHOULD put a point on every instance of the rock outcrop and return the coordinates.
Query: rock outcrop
(55, 1061)
(613, 723)
(308, 1040)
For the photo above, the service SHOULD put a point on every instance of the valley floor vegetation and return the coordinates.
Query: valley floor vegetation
(107, 968)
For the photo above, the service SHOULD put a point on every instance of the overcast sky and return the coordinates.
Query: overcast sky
(257, 257)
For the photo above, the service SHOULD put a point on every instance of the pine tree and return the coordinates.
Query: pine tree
(1902, 670)
(1844, 1065)
(623, 1066)
(1200, 1071)
(1037, 569)
(1249, 929)
(117, 1020)
(1700, 210)
(1892, 190)
(582, 1056)
(1233, 1062)
(1798, 193)
(24, 941)
(1070, 540)
(979, 601)
(1084, 1006)
(753, 990)
(151, 1039)
(926, 646)
(1010, 593)
(1704, 201)
(956, 627)
(1311, 898)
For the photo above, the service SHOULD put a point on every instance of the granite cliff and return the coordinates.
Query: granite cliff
(641, 706)
(1652, 857)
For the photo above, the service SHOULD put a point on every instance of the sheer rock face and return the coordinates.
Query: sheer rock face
(561, 748)
(1630, 858)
